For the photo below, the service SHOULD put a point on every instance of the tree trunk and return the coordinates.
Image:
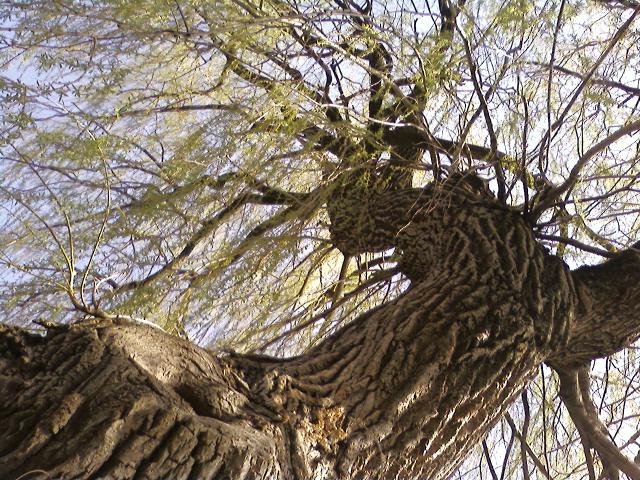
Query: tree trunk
(402, 392)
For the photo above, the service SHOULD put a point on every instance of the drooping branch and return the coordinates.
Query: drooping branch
(484, 107)
(208, 227)
(409, 107)
(379, 60)
(617, 37)
(268, 196)
(526, 451)
(601, 81)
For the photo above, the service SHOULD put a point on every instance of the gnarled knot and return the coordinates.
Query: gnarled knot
(358, 224)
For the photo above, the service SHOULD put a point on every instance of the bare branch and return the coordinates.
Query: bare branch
(574, 394)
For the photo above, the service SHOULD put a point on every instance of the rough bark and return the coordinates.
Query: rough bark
(401, 392)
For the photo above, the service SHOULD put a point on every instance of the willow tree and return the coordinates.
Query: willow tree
(290, 239)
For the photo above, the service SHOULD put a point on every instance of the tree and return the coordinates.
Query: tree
(352, 205)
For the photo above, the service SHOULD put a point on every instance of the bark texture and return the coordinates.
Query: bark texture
(402, 392)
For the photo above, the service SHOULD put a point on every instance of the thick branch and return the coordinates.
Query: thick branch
(607, 318)
(411, 135)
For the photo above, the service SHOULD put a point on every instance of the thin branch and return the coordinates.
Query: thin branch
(594, 80)
(612, 43)
(376, 278)
(527, 448)
(103, 225)
(554, 193)
(208, 227)
(488, 121)
(487, 455)
(577, 244)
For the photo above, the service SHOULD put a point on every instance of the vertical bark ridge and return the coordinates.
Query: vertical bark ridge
(413, 379)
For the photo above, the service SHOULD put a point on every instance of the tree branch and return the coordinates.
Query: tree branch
(527, 448)
(574, 392)
(594, 80)
(612, 43)
(607, 317)
(554, 193)
(412, 135)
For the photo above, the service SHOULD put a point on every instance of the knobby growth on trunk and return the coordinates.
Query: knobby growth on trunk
(304, 126)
